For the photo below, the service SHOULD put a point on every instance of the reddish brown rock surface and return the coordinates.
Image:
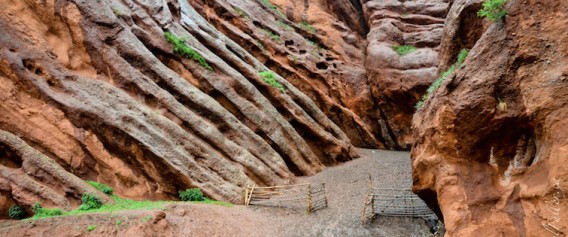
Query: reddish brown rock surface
(491, 143)
(397, 82)
(94, 87)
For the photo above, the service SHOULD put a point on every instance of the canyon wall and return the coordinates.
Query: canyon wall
(91, 90)
(490, 144)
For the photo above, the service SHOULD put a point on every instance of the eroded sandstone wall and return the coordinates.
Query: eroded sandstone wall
(398, 81)
(95, 87)
(490, 145)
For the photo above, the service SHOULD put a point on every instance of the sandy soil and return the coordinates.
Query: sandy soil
(346, 189)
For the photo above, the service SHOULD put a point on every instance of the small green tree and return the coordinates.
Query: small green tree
(493, 9)
(90, 201)
(191, 194)
(16, 212)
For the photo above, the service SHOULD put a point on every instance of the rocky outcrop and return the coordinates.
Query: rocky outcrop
(95, 87)
(308, 43)
(491, 143)
(398, 81)
(27, 176)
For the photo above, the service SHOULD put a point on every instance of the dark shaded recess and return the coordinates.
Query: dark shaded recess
(431, 199)
(288, 42)
(468, 33)
(9, 158)
(509, 139)
(322, 65)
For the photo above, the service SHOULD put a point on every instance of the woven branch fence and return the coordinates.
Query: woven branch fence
(392, 201)
(311, 197)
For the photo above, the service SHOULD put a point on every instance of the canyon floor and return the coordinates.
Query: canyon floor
(346, 188)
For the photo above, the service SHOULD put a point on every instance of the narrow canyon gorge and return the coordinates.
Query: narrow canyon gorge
(151, 97)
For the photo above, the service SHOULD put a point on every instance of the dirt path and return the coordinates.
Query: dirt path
(346, 188)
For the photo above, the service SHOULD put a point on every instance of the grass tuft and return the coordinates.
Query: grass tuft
(242, 13)
(284, 26)
(493, 10)
(272, 36)
(181, 48)
(101, 187)
(270, 79)
(307, 27)
(40, 212)
(91, 228)
(272, 7)
(402, 50)
(438, 82)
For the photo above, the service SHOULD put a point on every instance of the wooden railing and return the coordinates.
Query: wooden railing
(312, 197)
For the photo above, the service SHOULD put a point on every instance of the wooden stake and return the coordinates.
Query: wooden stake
(309, 198)
(367, 201)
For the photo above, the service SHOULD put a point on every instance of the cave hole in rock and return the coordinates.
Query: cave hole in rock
(303, 51)
(9, 158)
(322, 65)
(288, 42)
(514, 146)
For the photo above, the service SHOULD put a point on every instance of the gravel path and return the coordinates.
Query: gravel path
(347, 185)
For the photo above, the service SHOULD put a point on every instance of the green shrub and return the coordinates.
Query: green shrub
(182, 49)
(493, 9)
(91, 228)
(90, 201)
(306, 26)
(40, 212)
(270, 79)
(403, 49)
(191, 194)
(101, 187)
(438, 82)
(16, 212)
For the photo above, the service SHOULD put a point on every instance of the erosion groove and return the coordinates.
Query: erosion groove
(95, 87)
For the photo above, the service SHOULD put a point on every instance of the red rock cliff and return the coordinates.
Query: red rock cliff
(490, 145)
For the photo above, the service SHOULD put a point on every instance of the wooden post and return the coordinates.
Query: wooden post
(367, 201)
(247, 202)
(324, 193)
(372, 194)
(309, 199)
(246, 195)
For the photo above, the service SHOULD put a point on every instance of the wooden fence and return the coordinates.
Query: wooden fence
(312, 197)
(394, 202)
